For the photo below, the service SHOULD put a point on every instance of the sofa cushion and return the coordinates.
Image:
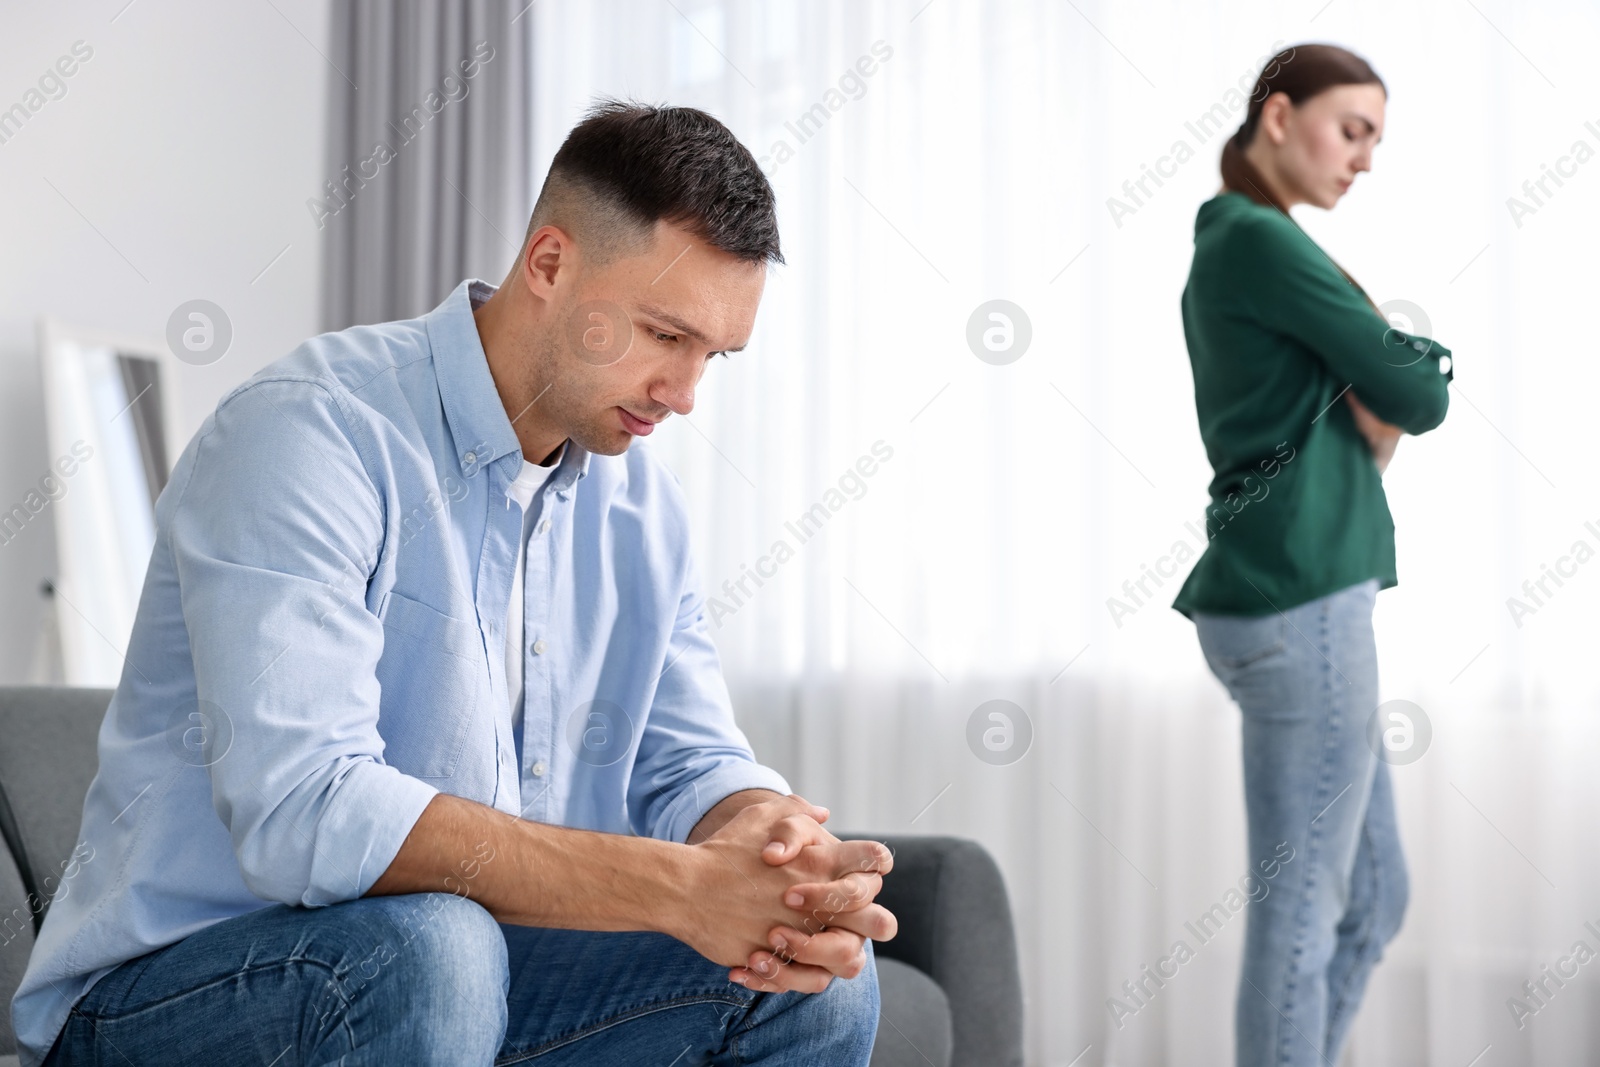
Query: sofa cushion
(914, 1026)
(46, 765)
(955, 927)
(16, 941)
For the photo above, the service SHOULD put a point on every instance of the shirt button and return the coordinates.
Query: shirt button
(544, 525)
(469, 459)
(539, 647)
(537, 769)
(1418, 345)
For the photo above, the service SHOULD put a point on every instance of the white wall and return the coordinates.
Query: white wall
(183, 150)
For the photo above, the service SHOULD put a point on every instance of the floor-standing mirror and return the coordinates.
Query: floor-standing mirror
(108, 420)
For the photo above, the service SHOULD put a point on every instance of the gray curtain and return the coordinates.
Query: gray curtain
(429, 153)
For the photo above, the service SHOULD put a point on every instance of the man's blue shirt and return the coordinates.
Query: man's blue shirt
(320, 649)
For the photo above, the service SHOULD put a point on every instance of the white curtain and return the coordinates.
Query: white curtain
(930, 157)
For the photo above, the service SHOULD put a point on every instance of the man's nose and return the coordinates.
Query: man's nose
(676, 391)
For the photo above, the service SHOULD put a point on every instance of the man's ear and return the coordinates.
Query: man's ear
(549, 252)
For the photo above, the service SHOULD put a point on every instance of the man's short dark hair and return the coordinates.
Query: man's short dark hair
(626, 165)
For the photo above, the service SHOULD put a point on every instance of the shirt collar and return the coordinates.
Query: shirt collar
(472, 406)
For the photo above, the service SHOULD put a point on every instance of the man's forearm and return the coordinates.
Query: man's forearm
(534, 874)
(723, 896)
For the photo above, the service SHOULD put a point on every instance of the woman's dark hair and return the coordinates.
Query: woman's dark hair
(626, 165)
(1302, 72)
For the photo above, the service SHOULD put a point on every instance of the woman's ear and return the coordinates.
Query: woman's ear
(1274, 120)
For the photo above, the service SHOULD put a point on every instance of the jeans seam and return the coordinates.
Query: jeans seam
(163, 1001)
(1337, 1004)
(522, 1055)
(1314, 837)
(93, 1017)
(735, 1039)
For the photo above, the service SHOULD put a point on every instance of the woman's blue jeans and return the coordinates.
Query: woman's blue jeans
(432, 978)
(1306, 682)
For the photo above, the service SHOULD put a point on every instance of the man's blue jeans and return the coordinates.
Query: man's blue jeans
(432, 978)
(1306, 682)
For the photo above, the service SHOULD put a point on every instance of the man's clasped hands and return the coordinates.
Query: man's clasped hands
(790, 906)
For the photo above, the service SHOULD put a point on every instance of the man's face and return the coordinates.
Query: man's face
(624, 345)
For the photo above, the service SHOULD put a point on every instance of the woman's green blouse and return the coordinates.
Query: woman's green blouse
(1276, 335)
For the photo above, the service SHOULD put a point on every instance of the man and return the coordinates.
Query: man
(422, 752)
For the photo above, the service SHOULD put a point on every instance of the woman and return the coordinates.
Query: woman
(1302, 389)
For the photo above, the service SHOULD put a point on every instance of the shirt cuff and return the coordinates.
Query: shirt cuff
(702, 794)
(367, 820)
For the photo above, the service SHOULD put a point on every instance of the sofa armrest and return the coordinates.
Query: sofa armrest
(955, 926)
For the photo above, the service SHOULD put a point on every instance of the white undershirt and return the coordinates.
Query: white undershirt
(522, 490)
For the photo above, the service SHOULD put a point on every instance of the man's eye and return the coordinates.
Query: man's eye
(659, 336)
(709, 355)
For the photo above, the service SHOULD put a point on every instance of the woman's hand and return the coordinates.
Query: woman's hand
(1381, 436)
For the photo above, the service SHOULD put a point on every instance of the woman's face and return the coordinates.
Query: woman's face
(1318, 148)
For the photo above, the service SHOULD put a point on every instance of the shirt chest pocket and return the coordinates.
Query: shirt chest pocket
(434, 681)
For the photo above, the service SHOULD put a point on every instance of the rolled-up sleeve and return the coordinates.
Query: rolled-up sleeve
(1403, 377)
(691, 754)
(274, 536)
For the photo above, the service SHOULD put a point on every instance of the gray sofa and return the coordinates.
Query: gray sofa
(951, 989)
